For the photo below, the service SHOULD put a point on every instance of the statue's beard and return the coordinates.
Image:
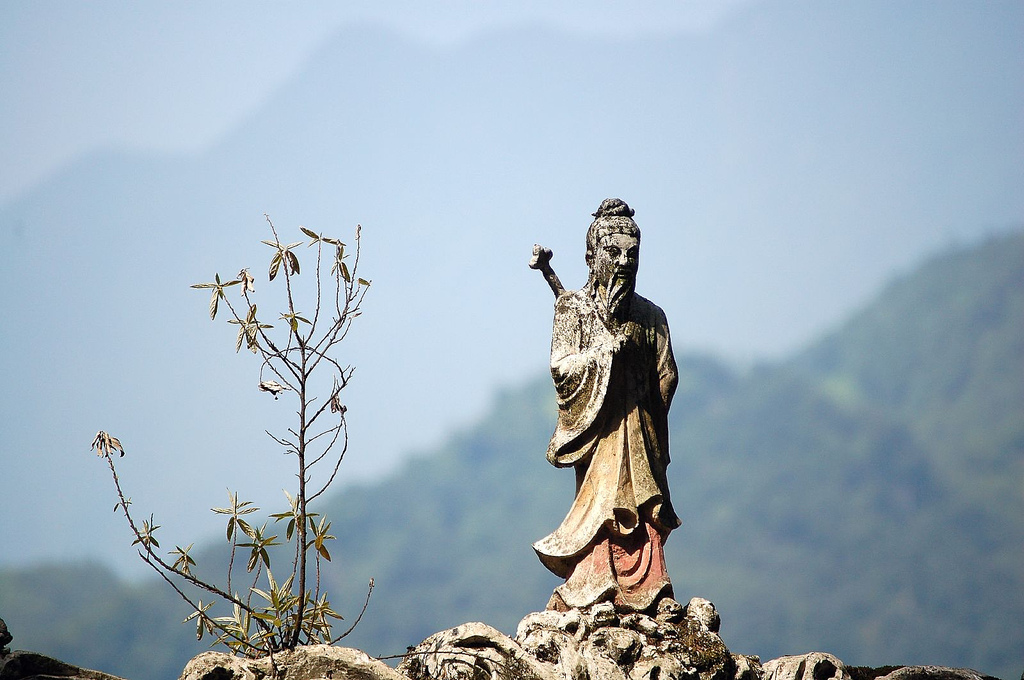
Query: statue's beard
(618, 292)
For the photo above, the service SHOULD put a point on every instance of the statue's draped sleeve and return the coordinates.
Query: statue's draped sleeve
(581, 363)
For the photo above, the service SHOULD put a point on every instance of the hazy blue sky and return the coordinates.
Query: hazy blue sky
(172, 77)
(785, 161)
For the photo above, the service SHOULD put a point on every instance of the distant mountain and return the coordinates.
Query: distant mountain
(782, 166)
(863, 497)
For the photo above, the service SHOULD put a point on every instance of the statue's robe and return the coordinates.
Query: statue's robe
(613, 428)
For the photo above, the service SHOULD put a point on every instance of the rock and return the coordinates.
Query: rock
(5, 637)
(475, 651)
(571, 622)
(20, 665)
(597, 643)
(670, 611)
(704, 612)
(811, 666)
(748, 667)
(303, 663)
(934, 673)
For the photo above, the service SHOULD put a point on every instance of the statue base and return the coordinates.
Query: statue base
(596, 643)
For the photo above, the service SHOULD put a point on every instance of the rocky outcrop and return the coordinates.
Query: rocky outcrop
(5, 637)
(823, 666)
(812, 666)
(934, 673)
(598, 643)
(20, 665)
(302, 663)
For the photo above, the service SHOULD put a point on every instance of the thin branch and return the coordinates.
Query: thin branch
(324, 433)
(316, 312)
(358, 618)
(150, 556)
(337, 465)
(281, 441)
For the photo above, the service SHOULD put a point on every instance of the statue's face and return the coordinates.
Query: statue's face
(616, 260)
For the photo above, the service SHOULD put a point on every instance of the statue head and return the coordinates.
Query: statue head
(613, 216)
(613, 252)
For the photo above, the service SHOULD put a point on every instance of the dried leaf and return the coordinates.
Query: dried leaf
(247, 280)
(273, 387)
(105, 444)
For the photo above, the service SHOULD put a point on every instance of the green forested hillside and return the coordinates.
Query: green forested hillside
(865, 497)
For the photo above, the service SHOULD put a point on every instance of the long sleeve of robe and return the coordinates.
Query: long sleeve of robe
(613, 398)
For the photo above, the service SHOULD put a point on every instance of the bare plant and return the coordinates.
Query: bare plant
(297, 359)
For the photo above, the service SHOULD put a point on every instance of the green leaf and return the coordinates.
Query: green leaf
(344, 273)
(363, 282)
(275, 264)
(246, 528)
(267, 617)
(262, 594)
(293, 260)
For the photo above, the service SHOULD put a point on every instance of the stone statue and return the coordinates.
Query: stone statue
(614, 374)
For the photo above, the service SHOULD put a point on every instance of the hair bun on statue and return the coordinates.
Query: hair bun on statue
(613, 207)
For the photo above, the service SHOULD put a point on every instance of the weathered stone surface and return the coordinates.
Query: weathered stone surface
(811, 666)
(303, 663)
(5, 637)
(475, 651)
(704, 611)
(934, 673)
(21, 665)
(748, 667)
(597, 643)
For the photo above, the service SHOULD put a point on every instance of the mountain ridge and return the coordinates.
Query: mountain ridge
(771, 198)
(813, 520)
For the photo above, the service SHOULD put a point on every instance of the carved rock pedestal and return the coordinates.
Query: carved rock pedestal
(598, 643)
